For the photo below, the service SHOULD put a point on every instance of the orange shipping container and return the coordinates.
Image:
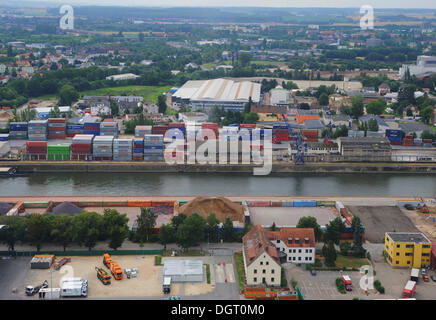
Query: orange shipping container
(136, 203)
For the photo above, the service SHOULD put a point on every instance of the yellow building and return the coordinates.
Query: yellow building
(405, 249)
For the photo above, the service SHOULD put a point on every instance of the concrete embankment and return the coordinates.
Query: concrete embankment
(132, 167)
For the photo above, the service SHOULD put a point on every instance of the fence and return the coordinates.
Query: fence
(82, 253)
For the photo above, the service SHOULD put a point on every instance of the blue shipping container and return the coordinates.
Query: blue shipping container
(302, 203)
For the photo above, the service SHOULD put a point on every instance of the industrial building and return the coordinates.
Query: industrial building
(425, 65)
(261, 261)
(404, 249)
(183, 270)
(365, 149)
(222, 93)
(120, 77)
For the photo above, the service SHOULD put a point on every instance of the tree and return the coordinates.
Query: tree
(345, 247)
(251, 117)
(55, 112)
(166, 235)
(323, 99)
(427, 134)
(87, 229)
(115, 110)
(334, 230)
(14, 231)
(373, 125)
(176, 221)
(376, 107)
(228, 232)
(161, 103)
(212, 228)
(115, 226)
(68, 95)
(356, 106)
(342, 131)
(273, 227)
(356, 229)
(38, 229)
(191, 231)
(427, 114)
(244, 59)
(146, 222)
(329, 253)
(62, 230)
(310, 222)
(141, 37)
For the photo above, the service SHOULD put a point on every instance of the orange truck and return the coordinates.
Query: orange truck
(115, 269)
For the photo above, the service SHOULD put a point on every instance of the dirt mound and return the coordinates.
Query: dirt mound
(66, 208)
(222, 207)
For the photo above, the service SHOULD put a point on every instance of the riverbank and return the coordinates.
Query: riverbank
(277, 167)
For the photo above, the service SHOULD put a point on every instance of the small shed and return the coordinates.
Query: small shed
(183, 270)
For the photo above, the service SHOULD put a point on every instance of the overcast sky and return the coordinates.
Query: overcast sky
(261, 3)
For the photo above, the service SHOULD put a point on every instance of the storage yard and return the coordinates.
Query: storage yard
(147, 283)
(381, 219)
(289, 216)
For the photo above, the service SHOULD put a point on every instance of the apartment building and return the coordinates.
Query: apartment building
(405, 249)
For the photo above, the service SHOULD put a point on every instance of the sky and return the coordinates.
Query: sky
(431, 4)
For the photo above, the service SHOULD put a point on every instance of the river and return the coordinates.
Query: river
(168, 184)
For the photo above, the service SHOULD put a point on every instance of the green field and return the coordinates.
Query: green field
(148, 92)
(268, 63)
(351, 262)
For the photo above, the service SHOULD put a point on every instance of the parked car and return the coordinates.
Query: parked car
(313, 272)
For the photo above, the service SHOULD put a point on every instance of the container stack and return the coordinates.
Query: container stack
(102, 147)
(160, 129)
(229, 133)
(173, 130)
(281, 132)
(36, 150)
(395, 137)
(37, 130)
(153, 147)
(91, 126)
(211, 126)
(59, 152)
(123, 149)
(18, 131)
(81, 148)
(57, 128)
(73, 129)
(109, 128)
(249, 127)
(311, 135)
(4, 137)
(174, 155)
(427, 143)
(138, 149)
(141, 131)
(408, 140)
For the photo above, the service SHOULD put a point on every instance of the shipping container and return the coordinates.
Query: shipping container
(304, 203)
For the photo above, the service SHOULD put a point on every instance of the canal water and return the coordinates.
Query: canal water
(177, 184)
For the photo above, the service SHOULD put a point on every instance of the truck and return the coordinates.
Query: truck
(30, 290)
(409, 289)
(414, 274)
(103, 276)
(346, 280)
(114, 268)
(61, 263)
(74, 287)
(166, 287)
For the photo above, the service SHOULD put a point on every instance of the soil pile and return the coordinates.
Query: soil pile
(222, 207)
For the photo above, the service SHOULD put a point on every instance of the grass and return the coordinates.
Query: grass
(208, 273)
(239, 263)
(189, 253)
(158, 260)
(209, 65)
(148, 92)
(268, 63)
(351, 262)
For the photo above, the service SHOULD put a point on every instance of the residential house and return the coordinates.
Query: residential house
(383, 89)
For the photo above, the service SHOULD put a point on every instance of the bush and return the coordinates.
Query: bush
(283, 280)
(294, 284)
(340, 286)
(345, 247)
(379, 287)
(157, 260)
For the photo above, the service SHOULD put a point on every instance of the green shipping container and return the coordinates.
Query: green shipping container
(58, 152)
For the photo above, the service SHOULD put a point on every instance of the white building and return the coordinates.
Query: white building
(222, 93)
(424, 65)
(261, 262)
(297, 243)
(125, 76)
(183, 270)
(280, 96)
(197, 117)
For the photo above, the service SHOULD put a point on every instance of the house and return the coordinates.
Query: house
(410, 111)
(191, 65)
(120, 77)
(337, 120)
(280, 96)
(149, 107)
(127, 102)
(404, 249)
(337, 101)
(193, 117)
(383, 89)
(297, 243)
(261, 261)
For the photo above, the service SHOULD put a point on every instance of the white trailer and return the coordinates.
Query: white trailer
(414, 275)
(50, 293)
(74, 287)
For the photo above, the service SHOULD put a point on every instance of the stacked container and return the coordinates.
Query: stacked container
(173, 127)
(18, 130)
(311, 135)
(36, 150)
(211, 126)
(247, 126)
(109, 128)
(407, 141)
(141, 131)
(427, 143)
(280, 133)
(81, 148)
(91, 127)
(37, 130)
(123, 149)
(102, 147)
(138, 149)
(59, 152)
(4, 137)
(229, 133)
(160, 129)
(395, 137)
(73, 129)
(57, 128)
(153, 147)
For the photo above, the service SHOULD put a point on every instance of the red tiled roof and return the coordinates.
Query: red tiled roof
(301, 233)
(255, 243)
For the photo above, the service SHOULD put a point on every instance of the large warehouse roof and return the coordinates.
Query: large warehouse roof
(183, 269)
(219, 90)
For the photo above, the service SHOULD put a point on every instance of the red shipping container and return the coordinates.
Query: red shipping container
(57, 120)
(247, 126)
(108, 120)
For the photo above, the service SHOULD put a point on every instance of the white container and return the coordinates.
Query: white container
(50, 293)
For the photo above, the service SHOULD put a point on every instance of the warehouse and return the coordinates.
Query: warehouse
(365, 149)
(183, 270)
(223, 93)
